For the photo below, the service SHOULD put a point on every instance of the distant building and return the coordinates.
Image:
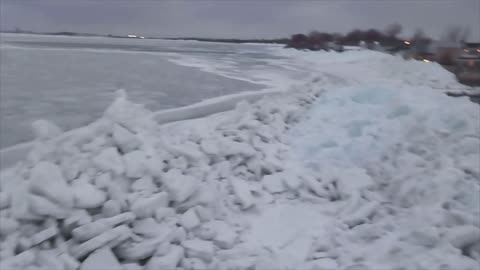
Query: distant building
(447, 52)
(470, 50)
(467, 67)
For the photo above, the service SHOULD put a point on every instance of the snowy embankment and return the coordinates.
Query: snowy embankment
(334, 174)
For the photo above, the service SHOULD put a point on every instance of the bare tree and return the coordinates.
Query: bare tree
(420, 42)
(319, 40)
(393, 30)
(466, 33)
(418, 35)
(354, 37)
(315, 36)
(447, 53)
(337, 37)
(453, 34)
(299, 41)
(373, 35)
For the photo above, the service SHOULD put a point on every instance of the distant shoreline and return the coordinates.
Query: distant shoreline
(233, 40)
(222, 40)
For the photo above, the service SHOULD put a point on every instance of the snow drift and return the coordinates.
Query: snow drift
(406, 161)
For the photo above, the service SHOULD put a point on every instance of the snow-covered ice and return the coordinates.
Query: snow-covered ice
(364, 166)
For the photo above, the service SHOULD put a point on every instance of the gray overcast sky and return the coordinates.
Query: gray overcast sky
(236, 18)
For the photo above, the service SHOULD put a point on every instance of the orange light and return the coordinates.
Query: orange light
(478, 50)
(465, 50)
(407, 42)
(426, 60)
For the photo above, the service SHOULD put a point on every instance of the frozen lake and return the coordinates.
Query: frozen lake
(71, 80)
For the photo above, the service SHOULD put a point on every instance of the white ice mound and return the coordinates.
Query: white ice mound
(109, 160)
(129, 115)
(87, 195)
(397, 156)
(47, 180)
(124, 190)
(101, 259)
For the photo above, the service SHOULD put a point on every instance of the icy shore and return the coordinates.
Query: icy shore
(333, 174)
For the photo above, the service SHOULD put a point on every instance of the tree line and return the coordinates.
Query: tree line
(389, 37)
(319, 40)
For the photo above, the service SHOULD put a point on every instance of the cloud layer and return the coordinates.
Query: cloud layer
(236, 18)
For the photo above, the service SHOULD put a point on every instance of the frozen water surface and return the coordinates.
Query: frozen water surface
(71, 80)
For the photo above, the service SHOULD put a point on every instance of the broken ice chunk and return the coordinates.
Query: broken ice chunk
(49, 259)
(116, 235)
(187, 150)
(292, 181)
(98, 227)
(189, 219)
(109, 160)
(90, 230)
(101, 259)
(225, 236)
(9, 245)
(4, 200)
(46, 180)
(43, 235)
(193, 264)
(206, 231)
(44, 207)
(361, 215)
(147, 227)
(273, 183)
(163, 212)
(69, 262)
(199, 249)
(70, 168)
(87, 195)
(462, 236)
(179, 163)
(77, 218)
(8, 225)
(154, 165)
(124, 139)
(135, 164)
(242, 192)
(204, 213)
(180, 187)
(95, 145)
(103, 180)
(132, 266)
(145, 207)
(316, 187)
(144, 185)
(20, 261)
(324, 263)
(144, 249)
(111, 208)
(168, 261)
